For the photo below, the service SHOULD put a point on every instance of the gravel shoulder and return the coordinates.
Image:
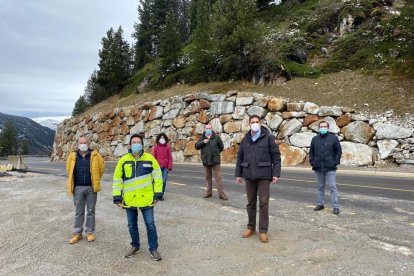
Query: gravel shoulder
(198, 237)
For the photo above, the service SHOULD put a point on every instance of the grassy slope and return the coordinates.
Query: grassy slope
(346, 88)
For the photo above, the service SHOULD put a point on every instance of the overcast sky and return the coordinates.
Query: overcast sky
(49, 48)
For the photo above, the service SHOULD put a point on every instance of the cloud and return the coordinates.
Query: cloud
(49, 48)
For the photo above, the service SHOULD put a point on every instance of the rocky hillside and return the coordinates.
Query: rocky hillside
(40, 138)
(365, 140)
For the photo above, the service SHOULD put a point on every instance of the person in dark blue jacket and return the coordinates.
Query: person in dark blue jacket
(324, 156)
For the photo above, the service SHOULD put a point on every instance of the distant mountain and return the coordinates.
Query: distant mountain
(50, 122)
(40, 138)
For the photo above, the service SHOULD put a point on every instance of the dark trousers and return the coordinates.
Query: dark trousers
(148, 215)
(209, 179)
(254, 188)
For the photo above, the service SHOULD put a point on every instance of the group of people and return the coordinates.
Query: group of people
(140, 178)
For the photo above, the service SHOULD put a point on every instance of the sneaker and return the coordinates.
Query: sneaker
(248, 233)
(90, 237)
(335, 211)
(264, 237)
(132, 252)
(319, 207)
(155, 255)
(75, 239)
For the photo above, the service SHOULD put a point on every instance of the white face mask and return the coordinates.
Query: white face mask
(255, 127)
(83, 147)
(162, 141)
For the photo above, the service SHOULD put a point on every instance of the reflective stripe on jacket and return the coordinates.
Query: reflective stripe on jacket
(97, 171)
(136, 183)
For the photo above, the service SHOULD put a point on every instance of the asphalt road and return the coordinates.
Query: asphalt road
(296, 185)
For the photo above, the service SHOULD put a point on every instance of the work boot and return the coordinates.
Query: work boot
(90, 237)
(248, 233)
(319, 207)
(223, 197)
(155, 255)
(264, 237)
(75, 238)
(132, 252)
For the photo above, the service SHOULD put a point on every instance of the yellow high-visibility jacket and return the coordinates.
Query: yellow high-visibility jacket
(137, 182)
(97, 171)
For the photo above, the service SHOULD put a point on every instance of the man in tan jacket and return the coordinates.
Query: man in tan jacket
(85, 168)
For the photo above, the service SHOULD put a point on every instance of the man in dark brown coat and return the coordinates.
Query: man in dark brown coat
(258, 162)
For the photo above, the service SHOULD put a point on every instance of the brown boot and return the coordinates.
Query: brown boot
(264, 237)
(248, 233)
(90, 237)
(75, 239)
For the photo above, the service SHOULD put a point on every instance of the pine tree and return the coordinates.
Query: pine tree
(234, 36)
(170, 43)
(8, 140)
(115, 62)
(80, 106)
(94, 93)
(143, 33)
(202, 53)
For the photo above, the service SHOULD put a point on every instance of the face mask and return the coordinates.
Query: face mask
(209, 132)
(255, 127)
(323, 130)
(136, 148)
(83, 147)
(162, 141)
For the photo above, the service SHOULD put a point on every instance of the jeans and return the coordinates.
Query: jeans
(329, 177)
(164, 172)
(84, 196)
(148, 214)
(261, 188)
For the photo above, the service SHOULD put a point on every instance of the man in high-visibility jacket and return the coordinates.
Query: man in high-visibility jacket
(137, 184)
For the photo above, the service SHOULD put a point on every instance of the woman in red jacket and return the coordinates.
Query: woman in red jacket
(162, 152)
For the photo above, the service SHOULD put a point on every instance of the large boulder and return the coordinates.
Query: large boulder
(138, 128)
(291, 156)
(216, 125)
(354, 154)
(179, 122)
(302, 140)
(343, 120)
(386, 147)
(190, 149)
(359, 132)
(120, 150)
(289, 128)
(330, 111)
(311, 108)
(273, 120)
(218, 108)
(171, 114)
(244, 100)
(276, 104)
(232, 127)
(239, 112)
(391, 131)
(156, 112)
(257, 110)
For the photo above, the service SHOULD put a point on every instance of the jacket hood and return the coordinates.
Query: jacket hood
(263, 131)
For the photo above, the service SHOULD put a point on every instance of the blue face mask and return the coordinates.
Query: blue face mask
(209, 132)
(323, 130)
(136, 148)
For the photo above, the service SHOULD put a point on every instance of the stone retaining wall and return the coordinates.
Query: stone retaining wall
(365, 141)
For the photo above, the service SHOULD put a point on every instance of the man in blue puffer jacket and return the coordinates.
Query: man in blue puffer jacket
(324, 155)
